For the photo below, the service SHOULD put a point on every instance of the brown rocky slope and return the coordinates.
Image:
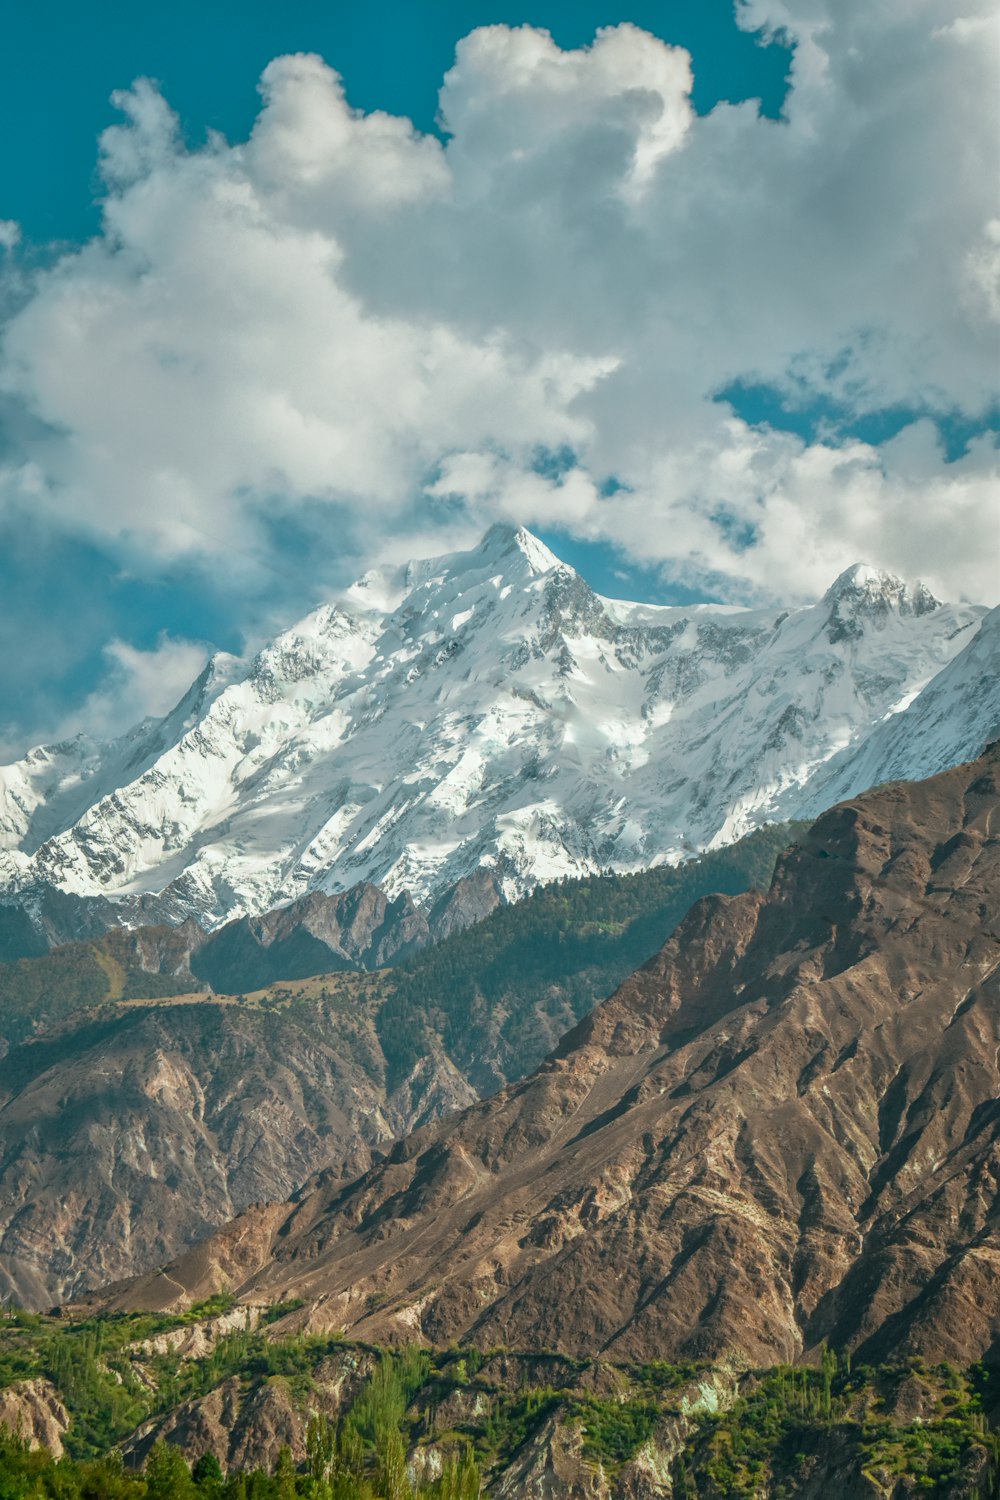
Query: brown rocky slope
(132, 1128)
(782, 1130)
(139, 1128)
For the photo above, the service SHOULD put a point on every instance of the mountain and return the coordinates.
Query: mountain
(131, 1128)
(139, 1129)
(482, 709)
(550, 938)
(355, 930)
(782, 1131)
(948, 722)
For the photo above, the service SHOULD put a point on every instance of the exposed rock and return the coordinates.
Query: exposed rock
(127, 1137)
(551, 1467)
(196, 1340)
(357, 929)
(33, 1409)
(248, 1428)
(469, 900)
(782, 1130)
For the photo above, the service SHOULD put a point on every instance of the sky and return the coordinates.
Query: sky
(707, 297)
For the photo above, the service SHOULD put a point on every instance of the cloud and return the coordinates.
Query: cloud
(340, 318)
(202, 357)
(514, 100)
(137, 684)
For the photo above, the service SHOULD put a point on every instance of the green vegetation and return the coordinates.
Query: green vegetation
(75, 977)
(334, 1471)
(115, 1372)
(413, 1423)
(554, 954)
(614, 1430)
(509, 1421)
(503, 990)
(922, 1425)
(50, 987)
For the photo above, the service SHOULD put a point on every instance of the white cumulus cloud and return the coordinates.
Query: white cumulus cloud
(341, 312)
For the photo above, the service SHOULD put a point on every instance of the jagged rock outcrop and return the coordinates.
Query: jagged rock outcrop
(355, 929)
(783, 1130)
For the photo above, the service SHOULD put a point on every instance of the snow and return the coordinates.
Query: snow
(489, 708)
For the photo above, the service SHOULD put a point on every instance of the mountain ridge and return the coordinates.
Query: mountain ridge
(484, 709)
(130, 1127)
(780, 1132)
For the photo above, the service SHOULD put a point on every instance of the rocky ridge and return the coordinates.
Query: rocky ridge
(131, 1127)
(139, 1128)
(360, 928)
(782, 1131)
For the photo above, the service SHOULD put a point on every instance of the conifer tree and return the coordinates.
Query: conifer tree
(167, 1474)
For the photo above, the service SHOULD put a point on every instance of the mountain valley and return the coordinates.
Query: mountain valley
(736, 1236)
(437, 1015)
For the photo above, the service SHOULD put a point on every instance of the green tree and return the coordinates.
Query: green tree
(207, 1473)
(167, 1475)
(392, 1482)
(460, 1479)
(284, 1487)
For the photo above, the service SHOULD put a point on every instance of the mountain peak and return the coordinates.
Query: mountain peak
(862, 592)
(503, 539)
(468, 708)
(861, 579)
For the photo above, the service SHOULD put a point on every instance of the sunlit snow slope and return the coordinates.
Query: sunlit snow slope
(489, 707)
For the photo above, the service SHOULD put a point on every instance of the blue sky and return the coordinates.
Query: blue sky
(232, 375)
(208, 59)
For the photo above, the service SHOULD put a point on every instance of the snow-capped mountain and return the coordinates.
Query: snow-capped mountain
(949, 722)
(489, 708)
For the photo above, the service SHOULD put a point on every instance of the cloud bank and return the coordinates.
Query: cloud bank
(397, 338)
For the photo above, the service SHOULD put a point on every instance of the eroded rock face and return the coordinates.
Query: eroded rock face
(34, 1411)
(784, 1129)
(248, 1428)
(551, 1468)
(360, 928)
(129, 1137)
